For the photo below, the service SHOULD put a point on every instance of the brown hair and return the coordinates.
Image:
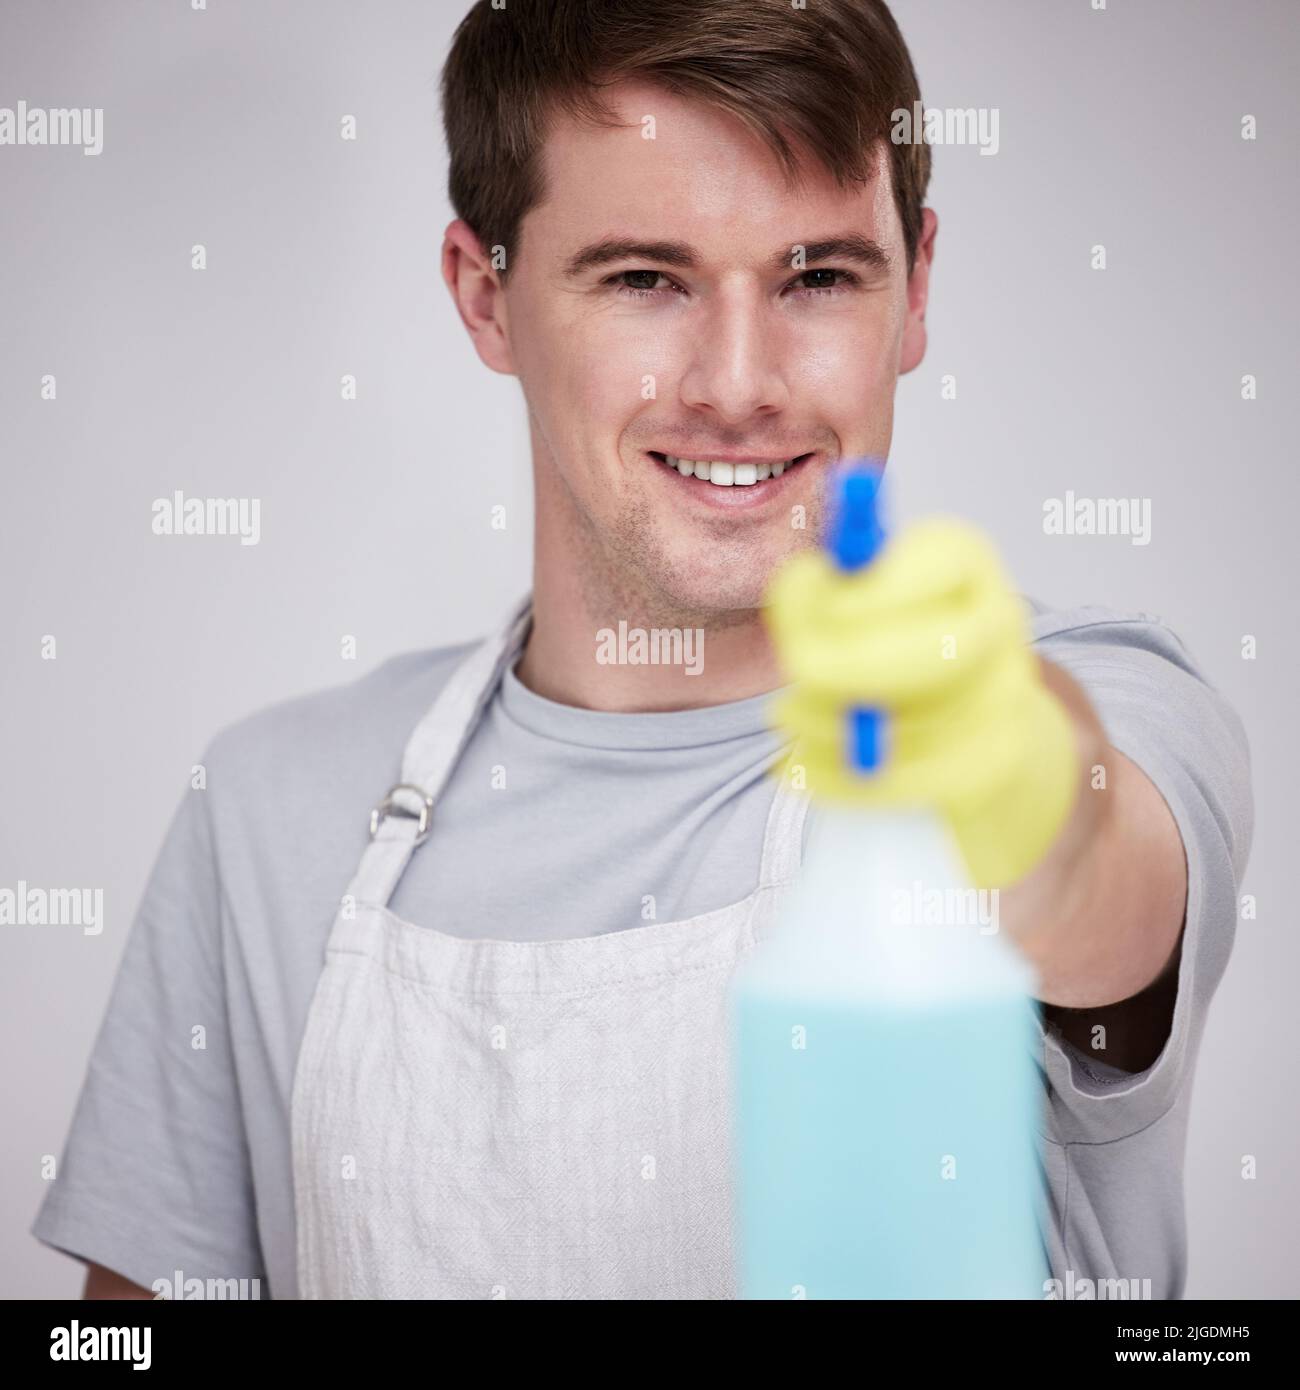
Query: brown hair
(825, 79)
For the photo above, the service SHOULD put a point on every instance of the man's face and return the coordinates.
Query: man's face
(718, 346)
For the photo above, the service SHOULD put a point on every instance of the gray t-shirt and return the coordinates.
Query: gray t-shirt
(561, 822)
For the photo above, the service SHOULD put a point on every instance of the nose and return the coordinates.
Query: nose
(735, 370)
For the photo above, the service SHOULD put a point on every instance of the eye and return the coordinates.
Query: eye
(638, 283)
(824, 284)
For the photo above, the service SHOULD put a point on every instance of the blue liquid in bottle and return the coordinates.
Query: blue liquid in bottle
(886, 1098)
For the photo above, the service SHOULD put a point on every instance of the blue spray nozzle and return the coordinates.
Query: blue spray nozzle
(855, 533)
(853, 538)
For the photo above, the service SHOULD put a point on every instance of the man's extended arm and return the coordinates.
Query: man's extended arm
(1101, 917)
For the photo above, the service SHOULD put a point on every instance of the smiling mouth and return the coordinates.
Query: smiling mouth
(722, 474)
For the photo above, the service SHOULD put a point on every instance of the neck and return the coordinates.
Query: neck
(597, 643)
(630, 662)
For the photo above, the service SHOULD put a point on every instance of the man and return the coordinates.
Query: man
(489, 1061)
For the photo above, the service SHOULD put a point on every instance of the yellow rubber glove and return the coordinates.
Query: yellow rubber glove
(931, 634)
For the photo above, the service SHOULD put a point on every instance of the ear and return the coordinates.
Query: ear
(478, 295)
(918, 293)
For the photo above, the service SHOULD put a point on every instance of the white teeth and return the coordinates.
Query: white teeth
(722, 474)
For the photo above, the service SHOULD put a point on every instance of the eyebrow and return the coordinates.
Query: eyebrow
(850, 246)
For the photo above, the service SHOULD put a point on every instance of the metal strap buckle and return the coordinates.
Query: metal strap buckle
(390, 807)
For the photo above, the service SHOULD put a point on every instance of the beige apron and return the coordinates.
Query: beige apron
(517, 1119)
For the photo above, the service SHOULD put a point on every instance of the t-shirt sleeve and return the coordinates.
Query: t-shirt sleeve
(155, 1175)
(1158, 709)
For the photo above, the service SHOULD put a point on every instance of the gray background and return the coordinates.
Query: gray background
(222, 127)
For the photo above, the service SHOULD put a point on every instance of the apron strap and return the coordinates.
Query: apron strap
(441, 736)
(783, 838)
(403, 819)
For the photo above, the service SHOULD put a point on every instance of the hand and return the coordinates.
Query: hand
(932, 635)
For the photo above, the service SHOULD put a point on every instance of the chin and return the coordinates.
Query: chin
(725, 591)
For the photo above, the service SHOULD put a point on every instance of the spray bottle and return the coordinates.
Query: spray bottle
(886, 1100)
